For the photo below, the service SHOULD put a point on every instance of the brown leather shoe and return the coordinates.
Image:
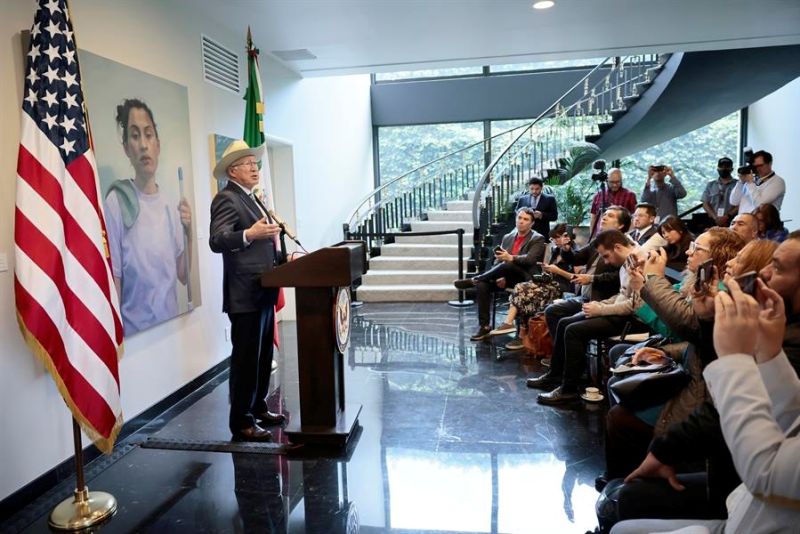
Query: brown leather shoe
(268, 418)
(254, 433)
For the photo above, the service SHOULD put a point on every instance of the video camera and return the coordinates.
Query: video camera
(600, 167)
(747, 159)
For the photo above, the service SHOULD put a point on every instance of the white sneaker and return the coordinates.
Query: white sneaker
(505, 328)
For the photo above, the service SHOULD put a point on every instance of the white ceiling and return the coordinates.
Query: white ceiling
(360, 36)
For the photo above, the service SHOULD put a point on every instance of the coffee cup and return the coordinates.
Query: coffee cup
(592, 393)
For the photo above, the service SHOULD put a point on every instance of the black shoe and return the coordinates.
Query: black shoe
(254, 433)
(268, 418)
(545, 381)
(601, 481)
(481, 334)
(557, 396)
(464, 283)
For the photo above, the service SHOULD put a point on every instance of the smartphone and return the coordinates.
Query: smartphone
(498, 249)
(659, 168)
(631, 262)
(704, 274)
(747, 282)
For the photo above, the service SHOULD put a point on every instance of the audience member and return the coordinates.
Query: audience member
(530, 298)
(598, 319)
(756, 394)
(643, 223)
(543, 205)
(762, 186)
(614, 195)
(663, 195)
(717, 194)
(770, 225)
(746, 225)
(678, 239)
(753, 257)
(598, 281)
(516, 259)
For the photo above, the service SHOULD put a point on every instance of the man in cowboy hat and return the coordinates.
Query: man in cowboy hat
(244, 233)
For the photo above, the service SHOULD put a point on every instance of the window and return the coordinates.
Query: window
(547, 65)
(428, 73)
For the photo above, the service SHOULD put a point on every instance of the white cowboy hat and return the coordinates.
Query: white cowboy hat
(236, 150)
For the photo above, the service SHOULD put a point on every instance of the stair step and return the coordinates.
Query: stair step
(376, 277)
(436, 226)
(630, 100)
(423, 249)
(411, 293)
(414, 263)
(592, 138)
(604, 127)
(459, 205)
(617, 114)
(444, 239)
(447, 215)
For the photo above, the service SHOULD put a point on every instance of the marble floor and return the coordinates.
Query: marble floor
(451, 440)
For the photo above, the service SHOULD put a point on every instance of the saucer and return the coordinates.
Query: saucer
(598, 398)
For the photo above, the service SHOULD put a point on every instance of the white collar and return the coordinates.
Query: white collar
(243, 188)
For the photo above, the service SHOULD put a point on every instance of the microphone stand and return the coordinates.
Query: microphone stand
(283, 246)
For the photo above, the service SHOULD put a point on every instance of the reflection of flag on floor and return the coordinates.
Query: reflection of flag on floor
(67, 305)
(254, 136)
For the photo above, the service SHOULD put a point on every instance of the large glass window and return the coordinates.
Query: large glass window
(427, 73)
(693, 157)
(547, 65)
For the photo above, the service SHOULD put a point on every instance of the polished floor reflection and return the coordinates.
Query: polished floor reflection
(451, 441)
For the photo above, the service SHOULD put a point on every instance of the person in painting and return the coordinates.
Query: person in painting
(149, 235)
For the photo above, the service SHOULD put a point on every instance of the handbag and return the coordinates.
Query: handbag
(644, 390)
(536, 338)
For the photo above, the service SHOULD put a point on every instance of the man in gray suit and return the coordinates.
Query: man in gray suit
(243, 232)
(515, 260)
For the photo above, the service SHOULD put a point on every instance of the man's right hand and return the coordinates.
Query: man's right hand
(652, 468)
(583, 279)
(261, 229)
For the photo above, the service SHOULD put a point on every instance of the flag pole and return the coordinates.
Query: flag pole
(84, 509)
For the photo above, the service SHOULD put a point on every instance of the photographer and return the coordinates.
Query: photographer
(758, 184)
(717, 194)
(663, 195)
(613, 195)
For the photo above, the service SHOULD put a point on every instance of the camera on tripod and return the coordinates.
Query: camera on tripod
(600, 174)
(747, 159)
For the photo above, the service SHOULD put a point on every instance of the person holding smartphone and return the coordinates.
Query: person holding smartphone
(662, 194)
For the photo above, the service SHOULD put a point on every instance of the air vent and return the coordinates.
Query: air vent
(293, 55)
(220, 65)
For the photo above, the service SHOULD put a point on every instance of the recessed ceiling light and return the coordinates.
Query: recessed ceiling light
(544, 4)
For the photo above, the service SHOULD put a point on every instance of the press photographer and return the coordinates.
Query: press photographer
(660, 193)
(758, 184)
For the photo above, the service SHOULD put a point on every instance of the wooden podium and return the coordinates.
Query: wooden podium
(322, 280)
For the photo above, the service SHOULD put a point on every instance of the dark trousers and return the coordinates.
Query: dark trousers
(627, 441)
(655, 498)
(558, 310)
(251, 364)
(485, 286)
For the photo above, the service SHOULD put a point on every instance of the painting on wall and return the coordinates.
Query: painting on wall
(217, 144)
(142, 143)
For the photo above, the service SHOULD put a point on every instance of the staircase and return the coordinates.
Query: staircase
(420, 268)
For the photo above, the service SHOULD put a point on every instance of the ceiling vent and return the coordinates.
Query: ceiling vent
(293, 55)
(220, 65)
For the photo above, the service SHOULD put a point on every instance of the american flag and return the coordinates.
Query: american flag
(67, 303)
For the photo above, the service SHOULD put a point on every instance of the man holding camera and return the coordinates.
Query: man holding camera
(717, 194)
(515, 260)
(758, 184)
(662, 194)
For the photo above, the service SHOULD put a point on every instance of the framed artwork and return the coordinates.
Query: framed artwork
(142, 143)
(217, 143)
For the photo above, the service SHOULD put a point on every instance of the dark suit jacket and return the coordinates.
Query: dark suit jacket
(645, 236)
(606, 277)
(232, 212)
(547, 205)
(531, 252)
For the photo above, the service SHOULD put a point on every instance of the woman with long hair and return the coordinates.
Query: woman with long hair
(678, 238)
(769, 223)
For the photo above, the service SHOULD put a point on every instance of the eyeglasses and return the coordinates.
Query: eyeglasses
(251, 164)
(694, 247)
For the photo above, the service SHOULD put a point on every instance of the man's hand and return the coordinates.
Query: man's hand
(656, 262)
(501, 283)
(747, 178)
(723, 221)
(669, 172)
(591, 309)
(503, 255)
(652, 468)
(261, 229)
(635, 279)
(537, 214)
(771, 323)
(185, 212)
(583, 279)
(550, 268)
(735, 315)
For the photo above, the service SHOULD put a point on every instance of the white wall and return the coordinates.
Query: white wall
(774, 125)
(328, 124)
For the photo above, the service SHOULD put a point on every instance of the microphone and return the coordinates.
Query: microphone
(280, 222)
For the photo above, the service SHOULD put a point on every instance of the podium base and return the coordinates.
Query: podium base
(336, 436)
(460, 303)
